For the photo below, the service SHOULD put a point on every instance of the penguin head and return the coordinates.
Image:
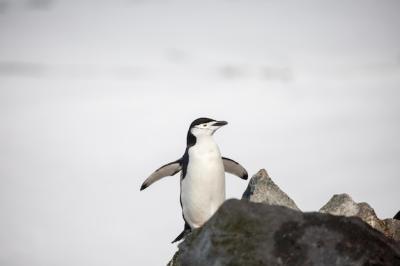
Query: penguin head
(205, 126)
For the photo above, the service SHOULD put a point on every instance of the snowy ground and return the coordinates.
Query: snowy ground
(95, 95)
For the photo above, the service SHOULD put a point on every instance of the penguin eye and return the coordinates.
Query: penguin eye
(204, 125)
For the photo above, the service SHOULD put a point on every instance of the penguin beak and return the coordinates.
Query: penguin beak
(220, 123)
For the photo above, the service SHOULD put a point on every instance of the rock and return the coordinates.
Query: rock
(397, 216)
(343, 204)
(262, 189)
(392, 229)
(247, 233)
(174, 261)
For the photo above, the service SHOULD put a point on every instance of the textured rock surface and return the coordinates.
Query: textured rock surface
(175, 261)
(262, 189)
(277, 233)
(246, 233)
(392, 229)
(343, 204)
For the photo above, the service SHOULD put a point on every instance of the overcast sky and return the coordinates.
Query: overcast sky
(95, 95)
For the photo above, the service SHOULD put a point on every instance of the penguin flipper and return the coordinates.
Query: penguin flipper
(234, 168)
(168, 169)
(397, 216)
(185, 231)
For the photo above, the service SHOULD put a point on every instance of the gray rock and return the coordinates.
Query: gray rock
(392, 228)
(174, 261)
(262, 189)
(246, 233)
(343, 204)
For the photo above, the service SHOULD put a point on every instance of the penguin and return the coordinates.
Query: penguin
(202, 179)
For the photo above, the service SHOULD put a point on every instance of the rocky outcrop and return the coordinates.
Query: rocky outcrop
(247, 233)
(262, 189)
(267, 228)
(343, 204)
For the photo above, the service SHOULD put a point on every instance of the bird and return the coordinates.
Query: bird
(202, 179)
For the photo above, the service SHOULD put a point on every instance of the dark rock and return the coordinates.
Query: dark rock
(246, 233)
(174, 261)
(397, 216)
(262, 189)
(343, 204)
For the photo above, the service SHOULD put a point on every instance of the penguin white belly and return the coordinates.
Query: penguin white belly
(203, 187)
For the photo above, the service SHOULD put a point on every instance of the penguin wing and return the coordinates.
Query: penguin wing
(234, 168)
(168, 169)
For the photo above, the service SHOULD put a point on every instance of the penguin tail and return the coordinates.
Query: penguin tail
(185, 231)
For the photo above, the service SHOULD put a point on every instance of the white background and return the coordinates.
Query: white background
(95, 95)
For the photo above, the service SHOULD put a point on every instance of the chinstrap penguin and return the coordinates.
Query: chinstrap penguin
(202, 170)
